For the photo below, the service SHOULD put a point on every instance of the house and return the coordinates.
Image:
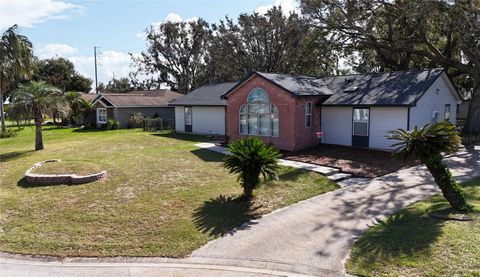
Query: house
(293, 112)
(202, 111)
(121, 106)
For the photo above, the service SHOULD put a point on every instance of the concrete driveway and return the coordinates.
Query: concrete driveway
(315, 235)
(311, 237)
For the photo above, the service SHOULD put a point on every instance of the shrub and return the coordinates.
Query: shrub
(9, 133)
(136, 120)
(112, 124)
(251, 158)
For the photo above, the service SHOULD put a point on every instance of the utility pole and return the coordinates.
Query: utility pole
(95, 57)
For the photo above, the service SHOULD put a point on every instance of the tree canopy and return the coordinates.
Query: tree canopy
(61, 73)
(407, 34)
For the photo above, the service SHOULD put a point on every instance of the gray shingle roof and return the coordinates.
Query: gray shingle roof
(299, 85)
(391, 88)
(207, 95)
(156, 98)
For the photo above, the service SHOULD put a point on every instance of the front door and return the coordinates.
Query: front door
(188, 119)
(361, 127)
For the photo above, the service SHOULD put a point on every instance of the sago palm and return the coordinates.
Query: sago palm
(427, 145)
(250, 159)
(39, 99)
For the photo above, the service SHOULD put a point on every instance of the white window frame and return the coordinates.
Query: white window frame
(446, 109)
(308, 114)
(188, 115)
(248, 114)
(103, 110)
(361, 121)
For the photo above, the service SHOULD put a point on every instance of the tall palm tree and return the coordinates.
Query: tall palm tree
(16, 62)
(39, 99)
(427, 145)
(251, 158)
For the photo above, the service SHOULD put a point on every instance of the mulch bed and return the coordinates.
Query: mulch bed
(356, 161)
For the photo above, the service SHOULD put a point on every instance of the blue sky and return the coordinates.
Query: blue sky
(71, 28)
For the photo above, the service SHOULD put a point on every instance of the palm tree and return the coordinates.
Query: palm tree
(16, 63)
(251, 158)
(86, 107)
(39, 99)
(427, 145)
(74, 102)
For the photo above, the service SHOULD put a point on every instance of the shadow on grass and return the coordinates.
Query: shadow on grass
(402, 234)
(5, 157)
(221, 215)
(23, 183)
(182, 136)
(208, 155)
(88, 130)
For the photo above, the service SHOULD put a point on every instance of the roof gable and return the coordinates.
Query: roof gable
(295, 84)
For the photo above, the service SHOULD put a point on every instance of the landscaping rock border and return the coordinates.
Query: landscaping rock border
(55, 179)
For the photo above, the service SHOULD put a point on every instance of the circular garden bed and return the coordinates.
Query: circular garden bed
(52, 172)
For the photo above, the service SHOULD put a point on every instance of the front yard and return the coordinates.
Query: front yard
(162, 197)
(409, 243)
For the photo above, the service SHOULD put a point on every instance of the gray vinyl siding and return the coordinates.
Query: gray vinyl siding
(123, 114)
(422, 113)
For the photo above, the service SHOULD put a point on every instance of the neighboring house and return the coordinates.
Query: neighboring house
(121, 106)
(354, 110)
(88, 119)
(202, 111)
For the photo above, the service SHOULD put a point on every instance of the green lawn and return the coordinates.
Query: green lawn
(409, 243)
(162, 197)
(69, 167)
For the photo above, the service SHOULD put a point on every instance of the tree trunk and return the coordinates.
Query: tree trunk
(247, 192)
(472, 124)
(451, 190)
(38, 132)
(2, 115)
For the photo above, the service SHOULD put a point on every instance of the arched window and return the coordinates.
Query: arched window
(258, 116)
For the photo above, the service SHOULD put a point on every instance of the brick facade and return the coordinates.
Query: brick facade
(293, 135)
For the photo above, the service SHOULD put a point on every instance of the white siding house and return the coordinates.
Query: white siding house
(208, 120)
(337, 125)
(384, 119)
(376, 103)
(435, 100)
(202, 111)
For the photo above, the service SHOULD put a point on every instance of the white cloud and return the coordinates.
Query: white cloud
(171, 17)
(287, 6)
(27, 13)
(55, 49)
(109, 62)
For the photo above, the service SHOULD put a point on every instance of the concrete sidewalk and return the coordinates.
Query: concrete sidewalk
(311, 237)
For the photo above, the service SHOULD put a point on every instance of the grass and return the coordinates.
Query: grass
(409, 243)
(162, 197)
(68, 167)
